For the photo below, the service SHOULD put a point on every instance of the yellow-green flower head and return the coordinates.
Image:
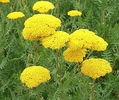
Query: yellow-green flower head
(56, 41)
(74, 13)
(84, 38)
(95, 68)
(40, 25)
(74, 55)
(34, 76)
(4, 1)
(15, 15)
(43, 6)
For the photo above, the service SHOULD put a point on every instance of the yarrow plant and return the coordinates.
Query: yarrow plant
(98, 67)
(34, 76)
(39, 26)
(4, 1)
(43, 29)
(43, 6)
(56, 41)
(86, 39)
(15, 15)
(74, 13)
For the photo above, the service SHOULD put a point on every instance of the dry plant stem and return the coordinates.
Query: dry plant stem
(92, 95)
(103, 23)
(26, 97)
(38, 93)
(36, 54)
(28, 59)
(5, 34)
(57, 8)
(29, 56)
(14, 4)
(22, 3)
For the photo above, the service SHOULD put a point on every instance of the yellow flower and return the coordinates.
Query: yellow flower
(56, 41)
(74, 55)
(43, 6)
(40, 25)
(95, 68)
(34, 76)
(15, 15)
(74, 13)
(84, 38)
(4, 1)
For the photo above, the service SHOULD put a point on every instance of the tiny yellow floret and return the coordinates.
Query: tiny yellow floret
(95, 68)
(15, 15)
(74, 13)
(56, 41)
(4, 1)
(74, 55)
(40, 25)
(43, 6)
(34, 76)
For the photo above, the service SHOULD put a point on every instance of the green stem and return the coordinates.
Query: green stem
(89, 54)
(57, 62)
(84, 85)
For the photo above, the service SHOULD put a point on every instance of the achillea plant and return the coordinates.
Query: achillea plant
(56, 41)
(74, 13)
(96, 68)
(77, 55)
(43, 6)
(15, 15)
(39, 26)
(34, 76)
(85, 39)
(4, 1)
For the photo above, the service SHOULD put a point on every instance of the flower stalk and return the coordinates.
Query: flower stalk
(92, 94)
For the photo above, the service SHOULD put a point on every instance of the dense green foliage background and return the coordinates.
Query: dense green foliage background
(100, 16)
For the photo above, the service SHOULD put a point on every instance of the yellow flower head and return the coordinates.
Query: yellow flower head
(43, 6)
(74, 13)
(34, 76)
(4, 1)
(40, 25)
(95, 68)
(56, 41)
(84, 38)
(74, 55)
(15, 15)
